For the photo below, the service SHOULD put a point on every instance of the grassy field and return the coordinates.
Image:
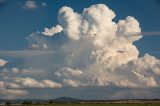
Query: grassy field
(114, 104)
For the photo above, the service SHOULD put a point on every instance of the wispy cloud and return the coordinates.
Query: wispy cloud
(149, 33)
(44, 4)
(25, 53)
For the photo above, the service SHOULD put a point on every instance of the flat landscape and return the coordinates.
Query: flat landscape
(98, 104)
(67, 101)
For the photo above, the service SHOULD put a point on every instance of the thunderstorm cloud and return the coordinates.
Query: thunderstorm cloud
(91, 50)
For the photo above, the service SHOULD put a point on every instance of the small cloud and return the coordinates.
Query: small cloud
(45, 46)
(34, 46)
(68, 72)
(52, 31)
(2, 62)
(43, 4)
(30, 5)
(15, 70)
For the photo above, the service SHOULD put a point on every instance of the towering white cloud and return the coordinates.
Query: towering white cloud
(70, 21)
(127, 28)
(106, 47)
(92, 50)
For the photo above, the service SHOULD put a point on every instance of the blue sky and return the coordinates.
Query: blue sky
(29, 59)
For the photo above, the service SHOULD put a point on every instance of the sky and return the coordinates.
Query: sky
(79, 48)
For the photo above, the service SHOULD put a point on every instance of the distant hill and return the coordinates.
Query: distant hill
(35, 101)
(67, 99)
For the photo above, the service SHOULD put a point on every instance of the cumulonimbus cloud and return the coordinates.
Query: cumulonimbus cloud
(110, 51)
(92, 50)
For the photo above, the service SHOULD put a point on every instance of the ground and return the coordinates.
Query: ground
(101, 104)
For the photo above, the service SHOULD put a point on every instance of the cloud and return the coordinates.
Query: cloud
(110, 49)
(38, 42)
(15, 70)
(30, 5)
(28, 82)
(151, 33)
(8, 85)
(51, 84)
(52, 31)
(70, 21)
(9, 73)
(91, 50)
(95, 51)
(70, 83)
(5, 92)
(2, 62)
(31, 71)
(128, 27)
(24, 53)
(32, 83)
(44, 4)
(13, 92)
(67, 72)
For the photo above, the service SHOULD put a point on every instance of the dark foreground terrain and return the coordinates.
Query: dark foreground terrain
(97, 104)
(66, 101)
